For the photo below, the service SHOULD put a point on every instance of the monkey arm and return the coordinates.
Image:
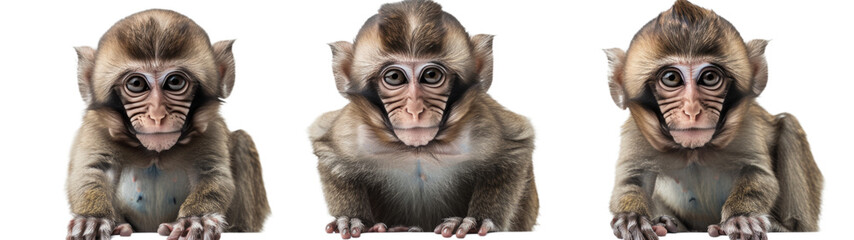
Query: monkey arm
(495, 197)
(632, 189)
(754, 192)
(90, 191)
(746, 211)
(90, 188)
(345, 197)
(214, 190)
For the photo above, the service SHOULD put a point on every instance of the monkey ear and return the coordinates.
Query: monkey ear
(342, 59)
(616, 62)
(85, 66)
(483, 58)
(224, 60)
(756, 56)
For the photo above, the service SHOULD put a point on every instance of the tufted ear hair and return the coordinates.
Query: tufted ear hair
(342, 59)
(483, 59)
(616, 62)
(224, 60)
(85, 66)
(756, 56)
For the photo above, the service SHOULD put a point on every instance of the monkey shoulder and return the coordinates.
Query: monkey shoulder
(322, 124)
(513, 126)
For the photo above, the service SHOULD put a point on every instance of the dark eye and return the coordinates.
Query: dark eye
(671, 79)
(136, 84)
(431, 76)
(710, 78)
(174, 82)
(394, 77)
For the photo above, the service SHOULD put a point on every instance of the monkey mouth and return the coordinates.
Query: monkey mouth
(155, 133)
(158, 141)
(692, 137)
(416, 136)
(691, 129)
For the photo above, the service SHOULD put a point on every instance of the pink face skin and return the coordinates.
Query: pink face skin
(415, 95)
(157, 106)
(691, 97)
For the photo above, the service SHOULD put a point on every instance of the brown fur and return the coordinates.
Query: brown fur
(493, 179)
(768, 156)
(223, 166)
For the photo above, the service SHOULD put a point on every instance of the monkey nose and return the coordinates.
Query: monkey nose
(415, 111)
(692, 111)
(156, 114)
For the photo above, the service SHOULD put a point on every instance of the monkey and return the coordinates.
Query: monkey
(153, 152)
(421, 145)
(698, 153)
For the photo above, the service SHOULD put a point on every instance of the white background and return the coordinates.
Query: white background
(549, 66)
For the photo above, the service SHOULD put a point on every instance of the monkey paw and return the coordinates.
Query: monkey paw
(353, 227)
(743, 228)
(209, 226)
(633, 226)
(90, 228)
(464, 226)
(665, 224)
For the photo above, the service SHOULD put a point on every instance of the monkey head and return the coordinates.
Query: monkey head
(155, 79)
(687, 78)
(407, 66)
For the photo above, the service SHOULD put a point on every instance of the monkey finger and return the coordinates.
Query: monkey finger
(631, 232)
(617, 224)
(330, 228)
(356, 227)
(92, 229)
(415, 229)
(448, 226)
(125, 230)
(344, 227)
(467, 224)
(105, 229)
(486, 226)
(715, 230)
(164, 229)
(646, 229)
(379, 227)
(756, 228)
(659, 229)
(213, 230)
(195, 230)
(176, 231)
(76, 228)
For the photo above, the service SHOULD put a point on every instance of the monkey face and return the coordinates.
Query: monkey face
(414, 96)
(157, 105)
(690, 97)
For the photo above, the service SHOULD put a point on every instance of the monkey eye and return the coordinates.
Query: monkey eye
(710, 78)
(174, 82)
(394, 77)
(431, 76)
(671, 78)
(136, 84)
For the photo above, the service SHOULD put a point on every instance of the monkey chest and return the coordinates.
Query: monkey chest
(695, 194)
(151, 195)
(421, 195)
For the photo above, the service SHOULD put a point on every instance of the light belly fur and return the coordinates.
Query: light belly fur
(151, 195)
(695, 194)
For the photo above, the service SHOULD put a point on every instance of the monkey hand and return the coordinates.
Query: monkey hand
(353, 227)
(208, 226)
(464, 226)
(91, 228)
(743, 227)
(633, 226)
